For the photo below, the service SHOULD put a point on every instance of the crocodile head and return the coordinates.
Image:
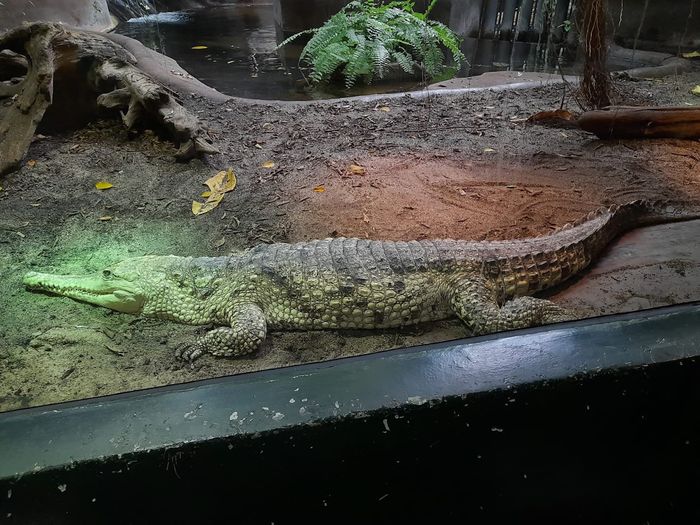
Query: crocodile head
(155, 286)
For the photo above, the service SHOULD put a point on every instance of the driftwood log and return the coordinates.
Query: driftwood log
(642, 122)
(90, 72)
(627, 122)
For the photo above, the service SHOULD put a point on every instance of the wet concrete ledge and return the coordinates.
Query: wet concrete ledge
(66, 434)
(590, 422)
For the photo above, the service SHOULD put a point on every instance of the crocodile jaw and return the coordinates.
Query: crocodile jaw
(113, 293)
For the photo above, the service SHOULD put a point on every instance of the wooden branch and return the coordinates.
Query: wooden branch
(31, 96)
(642, 122)
(147, 97)
(46, 52)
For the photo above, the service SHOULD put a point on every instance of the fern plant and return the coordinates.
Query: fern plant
(364, 38)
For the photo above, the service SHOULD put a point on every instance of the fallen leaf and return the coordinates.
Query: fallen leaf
(258, 146)
(559, 118)
(691, 54)
(489, 150)
(385, 109)
(268, 164)
(31, 163)
(696, 90)
(105, 218)
(219, 243)
(103, 185)
(356, 169)
(319, 189)
(219, 184)
(210, 204)
(222, 182)
(199, 47)
(205, 194)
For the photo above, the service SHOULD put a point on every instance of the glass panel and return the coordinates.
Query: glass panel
(204, 194)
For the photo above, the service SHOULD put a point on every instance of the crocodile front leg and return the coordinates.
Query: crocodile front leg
(246, 333)
(473, 299)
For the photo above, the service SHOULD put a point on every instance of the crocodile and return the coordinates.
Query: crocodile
(342, 283)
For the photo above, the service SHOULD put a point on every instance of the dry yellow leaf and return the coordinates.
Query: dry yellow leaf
(105, 218)
(691, 54)
(199, 208)
(231, 181)
(268, 164)
(103, 185)
(489, 150)
(31, 163)
(696, 90)
(219, 184)
(319, 189)
(385, 109)
(222, 182)
(199, 47)
(356, 169)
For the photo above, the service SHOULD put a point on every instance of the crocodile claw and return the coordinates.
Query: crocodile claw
(189, 352)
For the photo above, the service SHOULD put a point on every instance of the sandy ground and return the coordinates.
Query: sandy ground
(462, 166)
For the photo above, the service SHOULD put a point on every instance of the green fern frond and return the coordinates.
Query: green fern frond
(295, 36)
(380, 58)
(404, 60)
(363, 38)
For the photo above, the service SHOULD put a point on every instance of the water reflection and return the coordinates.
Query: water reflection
(241, 59)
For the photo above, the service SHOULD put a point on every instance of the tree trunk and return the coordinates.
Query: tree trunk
(35, 58)
(595, 85)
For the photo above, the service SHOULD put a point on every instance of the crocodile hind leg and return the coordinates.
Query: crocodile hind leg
(246, 333)
(475, 302)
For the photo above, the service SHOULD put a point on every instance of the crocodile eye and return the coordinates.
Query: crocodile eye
(107, 274)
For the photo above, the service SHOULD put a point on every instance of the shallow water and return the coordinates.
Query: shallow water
(241, 58)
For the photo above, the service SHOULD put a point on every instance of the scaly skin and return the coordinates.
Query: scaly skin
(354, 283)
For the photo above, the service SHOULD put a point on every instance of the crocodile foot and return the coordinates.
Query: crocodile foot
(189, 352)
(244, 336)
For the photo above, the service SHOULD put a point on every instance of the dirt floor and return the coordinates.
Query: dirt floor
(459, 166)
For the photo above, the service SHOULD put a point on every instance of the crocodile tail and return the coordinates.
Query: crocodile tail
(542, 262)
(635, 214)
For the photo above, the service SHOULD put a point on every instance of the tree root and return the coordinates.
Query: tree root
(36, 58)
